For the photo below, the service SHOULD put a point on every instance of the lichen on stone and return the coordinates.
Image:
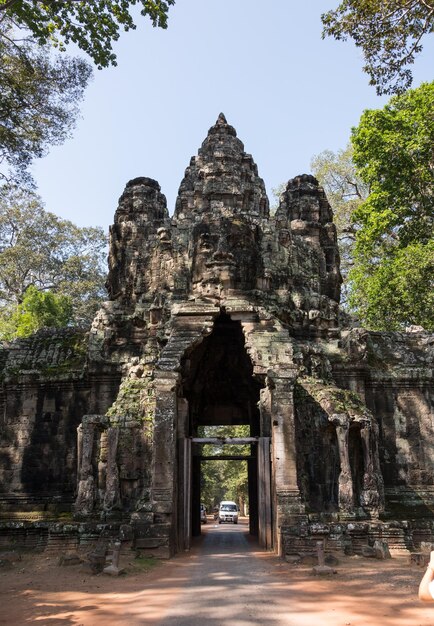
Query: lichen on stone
(332, 399)
(49, 353)
(135, 399)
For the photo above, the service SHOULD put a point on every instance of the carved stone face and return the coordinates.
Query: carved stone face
(225, 256)
(164, 237)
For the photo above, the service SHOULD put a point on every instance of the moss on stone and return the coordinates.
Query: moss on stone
(48, 353)
(342, 400)
(135, 400)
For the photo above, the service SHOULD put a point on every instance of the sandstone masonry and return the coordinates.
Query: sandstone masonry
(222, 314)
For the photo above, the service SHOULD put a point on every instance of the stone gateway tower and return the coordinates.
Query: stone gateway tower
(224, 315)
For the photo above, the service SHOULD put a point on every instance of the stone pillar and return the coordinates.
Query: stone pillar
(321, 568)
(164, 478)
(85, 501)
(112, 491)
(346, 492)
(287, 503)
(102, 466)
(375, 435)
(320, 553)
(87, 433)
(265, 412)
(372, 491)
(79, 450)
(113, 569)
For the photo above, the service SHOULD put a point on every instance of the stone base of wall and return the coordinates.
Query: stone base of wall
(54, 537)
(347, 537)
(34, 506)
(414, 502)
(153, 539)
(32, 532)
(350, 536)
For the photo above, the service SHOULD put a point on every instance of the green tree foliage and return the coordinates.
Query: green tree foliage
(345, 191)
(39, 91)
(224, 479)
(37, 310)
(389, 32)
(394, 155)
(93, 25)
(212, 490)
(39, 100)
(399, 291)
(39, 249)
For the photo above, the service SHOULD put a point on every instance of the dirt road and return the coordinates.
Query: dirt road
(224, 581)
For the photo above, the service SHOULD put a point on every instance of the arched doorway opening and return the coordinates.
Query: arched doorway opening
(218, 390)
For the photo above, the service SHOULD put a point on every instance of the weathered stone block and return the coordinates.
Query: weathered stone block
(369, 552)
(382, 550)
(69, 559)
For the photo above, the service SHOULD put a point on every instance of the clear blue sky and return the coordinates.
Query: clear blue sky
(289, 94)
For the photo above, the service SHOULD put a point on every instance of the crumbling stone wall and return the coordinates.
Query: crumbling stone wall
(45, 391)
(394, 374)
(339, 465)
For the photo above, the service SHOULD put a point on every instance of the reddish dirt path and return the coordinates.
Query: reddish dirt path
(221, 582)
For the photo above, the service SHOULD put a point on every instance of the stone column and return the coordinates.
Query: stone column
(102, 466)
(287, 501)
(112, 491)
(265, 412)
(85, 501)
(164, 462)
(372, 492)
(79, 450)
(375, 435)
(346, 492)
(114, 569)
(320, 553)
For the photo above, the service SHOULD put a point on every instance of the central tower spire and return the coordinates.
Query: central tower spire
(222, 178)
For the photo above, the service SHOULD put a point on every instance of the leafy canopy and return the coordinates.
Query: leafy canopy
(392, 281)
(39, 100)
(93, 25)
(40, 92)
(398, 291)
(37, 310)
(224, 479)
(389, 32)
(394, 155)
(39, 249)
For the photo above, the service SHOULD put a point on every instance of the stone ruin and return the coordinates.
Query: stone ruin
(219, 315)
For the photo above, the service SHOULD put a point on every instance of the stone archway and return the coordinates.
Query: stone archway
(217, 389)
(267, 356)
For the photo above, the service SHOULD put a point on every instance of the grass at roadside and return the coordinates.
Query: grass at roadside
(145, 563)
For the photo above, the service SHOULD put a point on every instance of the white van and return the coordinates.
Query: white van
(228, 512)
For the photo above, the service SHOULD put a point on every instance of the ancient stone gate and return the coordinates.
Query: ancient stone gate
(222, 315)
